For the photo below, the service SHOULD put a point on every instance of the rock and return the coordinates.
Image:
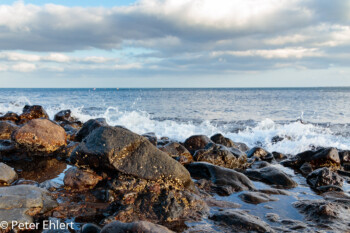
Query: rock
(256, 197)
(64, 115)
(6, 129)
(272, 217)
(196, 142)
(345, 158)
(90, 228)
(134, 227)
(7, 174)
(260, 153)
(151, 137)
(278, 156)
(79, 180)
(21, 202)
(324, 177)
(118, 149)
(306, 168)
(220, 139)
(40, 135)
(10, 116)
(32, 112)
(212, 202)
(222, 177)
(271, 175)
(178, 152)
(275, 192)
(334, 217)
(241, 146)
(50, 185)
(66, 151)
(88, 127)
(259, 164)
(221, 156)
(294, 224)
(7, 150)
(240, 221)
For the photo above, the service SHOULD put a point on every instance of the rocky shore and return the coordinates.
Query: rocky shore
(104, 178)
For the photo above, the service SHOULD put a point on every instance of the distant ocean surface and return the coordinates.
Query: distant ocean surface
(308, 116)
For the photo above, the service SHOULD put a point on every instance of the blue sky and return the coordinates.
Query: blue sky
(175, 43)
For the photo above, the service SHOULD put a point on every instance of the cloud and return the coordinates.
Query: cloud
(23, 67)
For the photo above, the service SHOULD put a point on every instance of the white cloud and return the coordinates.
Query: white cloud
(23, 67)
(56, 57)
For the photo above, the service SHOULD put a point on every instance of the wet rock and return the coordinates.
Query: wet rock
(272, 217)
(324, 177)
(163, 141)
(242, 146)
(22, 181)
(278, 156)
(212, 202)
(64, 115)
(90, 228)
(241, 221)
(178, 152)
(224, 178)
(151, 137)
(32, 112)
(6, 129)
(79, 180)
(331, 216)
(7, 174)
(256, 197)
(66, 151)
(271, 175)
(345, 159)
(196, 142)
(306, 168)
(220, 139)
(259, 164)
(120, 150)
(21, 202)
(40, 135)
(10, 116)
(260, 153)
(221, 156)
(294, 224)
(50, 185)
(89, 126)
(275, 192)
(134, 227)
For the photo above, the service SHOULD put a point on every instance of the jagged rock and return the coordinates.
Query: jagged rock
(89, 126)
(32, 112)
(241, 221)
(79, 180)
(134, 227)
(271, 175)
(220, 139)
(324, 177)
(40, 135)
(10, 116)
(120, 150)
(6, 129)
(178, 152)
(260, 153)
(196, 142)
(64, 115)
(7, 174)
(256, 197)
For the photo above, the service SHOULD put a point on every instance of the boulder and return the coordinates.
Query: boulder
(79, 180)
(222, 177)
(118, 149)
(6, 129)
(151, 137)
(7, 174)
(241, 221)
(21, 202)
(90, 228)
(177, 152)
(88, 127)
(32, 112)
(10, 116)
(64, 115)
(271, 175)
(134, 227)
(220, 139)
(256, 197)
(221, 156)
(196, 142)
(260, 153)
(324, 177)
(40, 135)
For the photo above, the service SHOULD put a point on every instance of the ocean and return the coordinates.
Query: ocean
(306, 117)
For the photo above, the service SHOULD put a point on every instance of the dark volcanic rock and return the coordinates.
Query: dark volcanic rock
(271, 175)
(40, 135)
(241, 221)
(196, 142)
(178, 152)
(134, 227)
(260, 153)
(220, 139)
(118, 149)
(256, 197)
(306, 168)
(80, 180)
(90, 228)
(64, 115)
(151, 137)
(89, 126)
(221, 156)
(6, 129)
(32, 112)
(222, 177)
(7, 174)
(10, 116)
(324, 177)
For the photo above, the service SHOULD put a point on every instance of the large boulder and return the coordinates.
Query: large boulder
(240, 221)
(324, 177)
(32, 112)
(177, 152)
(134, 227)
(79, 180)
(6, 129)
(88, 127)
(40, 135)
(21, 202)
(196, 142)
(220, 139)
(271, 175)
(222, 177)
(118, 149)
(221, 156)
(7, 174)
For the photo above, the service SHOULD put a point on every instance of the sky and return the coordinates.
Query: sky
(174, 43)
